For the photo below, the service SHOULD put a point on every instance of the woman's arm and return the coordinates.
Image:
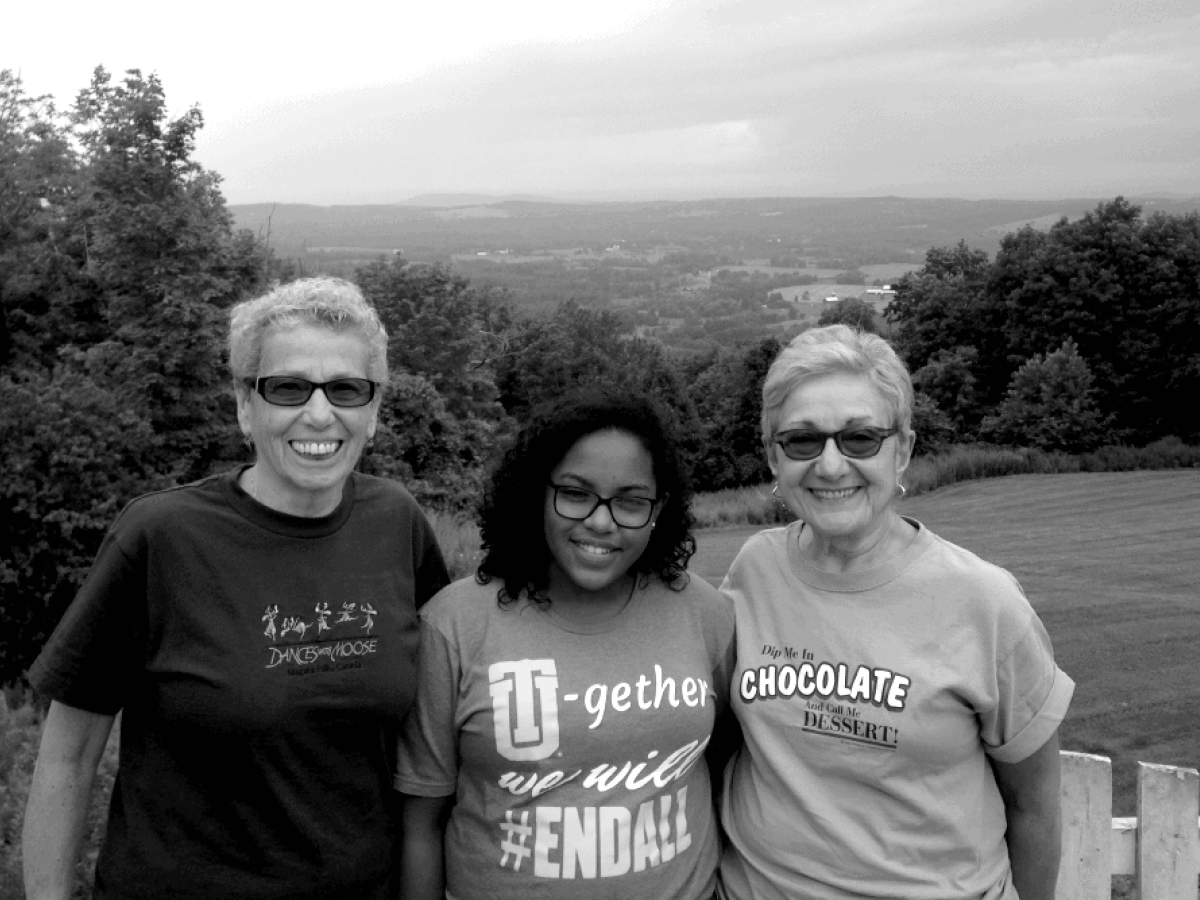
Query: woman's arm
(422, 865)
(1030, 789)
(72, 742)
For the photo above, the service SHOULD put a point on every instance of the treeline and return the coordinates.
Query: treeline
(118, 262)
(1070, 339)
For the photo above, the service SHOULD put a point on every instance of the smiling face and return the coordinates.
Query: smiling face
(590, 559)
(306, 453)
(845, 501)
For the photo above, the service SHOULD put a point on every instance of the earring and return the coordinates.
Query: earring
(249, 442)
(903, 489)
(775, 490)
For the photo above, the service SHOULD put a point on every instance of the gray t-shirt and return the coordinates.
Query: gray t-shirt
(870, 703)
(575, 754)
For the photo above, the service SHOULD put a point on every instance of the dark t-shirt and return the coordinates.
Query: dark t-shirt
(262, 663)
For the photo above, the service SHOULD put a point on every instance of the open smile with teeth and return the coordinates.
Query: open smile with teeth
(316, 449)
(594, 549)
(833, 495)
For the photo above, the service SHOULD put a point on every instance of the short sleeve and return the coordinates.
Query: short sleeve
(427, 758)
(719, 637)
(1033, 697)
(95, 652)
(431, 573)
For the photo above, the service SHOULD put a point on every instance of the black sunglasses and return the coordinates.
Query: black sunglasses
(858, 442)
(290, 390)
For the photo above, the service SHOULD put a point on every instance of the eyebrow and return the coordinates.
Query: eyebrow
(808, 424)
(624, 489)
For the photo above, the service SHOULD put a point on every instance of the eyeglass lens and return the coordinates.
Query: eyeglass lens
(854, 443)
(290, 390)
(579, 504)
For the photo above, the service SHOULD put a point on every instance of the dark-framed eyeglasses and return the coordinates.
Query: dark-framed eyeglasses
(291, 390)
(857, 442)
(578, 503)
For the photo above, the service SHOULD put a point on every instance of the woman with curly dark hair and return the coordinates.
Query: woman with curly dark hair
(568, 691)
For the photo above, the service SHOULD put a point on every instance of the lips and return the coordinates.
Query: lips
(315, 449)
(595, 550)
(826, 494)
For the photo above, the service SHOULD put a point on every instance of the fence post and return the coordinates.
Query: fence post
(1168, 839)
(1086, 869)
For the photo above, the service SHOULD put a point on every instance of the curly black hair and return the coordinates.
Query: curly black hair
(511, 523)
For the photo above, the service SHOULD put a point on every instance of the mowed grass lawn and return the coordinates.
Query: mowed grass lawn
(1111, 562)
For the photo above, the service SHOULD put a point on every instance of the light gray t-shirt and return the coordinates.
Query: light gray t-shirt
(870, 703)
(575, 754)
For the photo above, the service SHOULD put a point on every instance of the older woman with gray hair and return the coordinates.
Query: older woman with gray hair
(257, 630)
(898, 695)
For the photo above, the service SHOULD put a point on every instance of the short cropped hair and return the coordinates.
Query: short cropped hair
(836, 348)
(511, 516)
(331, 302)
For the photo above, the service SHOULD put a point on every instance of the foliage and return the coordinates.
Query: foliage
(1125, 290)
(118, 259)
(1050, 405)
(948, 380)
(934, 430)
(853, 311)
(728, 391)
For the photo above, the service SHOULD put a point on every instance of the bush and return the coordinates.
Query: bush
(1050, 405)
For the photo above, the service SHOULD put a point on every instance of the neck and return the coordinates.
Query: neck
(310, 506)
(570, 602)
(859, 552)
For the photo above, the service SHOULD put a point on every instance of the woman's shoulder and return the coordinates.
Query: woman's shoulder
(770, 542)
(966, 563)
(162, 507)
(694, 596)
(968, 574)
(459, 600)
(373, 488)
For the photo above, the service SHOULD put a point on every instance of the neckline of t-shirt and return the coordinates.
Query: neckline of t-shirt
(283, 523)
(601, 626)
(855, 582)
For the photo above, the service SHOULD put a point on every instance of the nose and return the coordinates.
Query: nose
(601, 518)
(830, 463)
(318, 410)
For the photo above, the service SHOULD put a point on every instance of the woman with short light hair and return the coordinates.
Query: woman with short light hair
(257, 632)
(898, 695)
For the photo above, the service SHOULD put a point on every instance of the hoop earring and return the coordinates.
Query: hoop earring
(775, 490)
(903, 489)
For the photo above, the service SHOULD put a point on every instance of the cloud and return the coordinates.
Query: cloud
(1010, 98)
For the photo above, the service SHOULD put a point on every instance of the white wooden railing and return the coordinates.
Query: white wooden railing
(1161, 846)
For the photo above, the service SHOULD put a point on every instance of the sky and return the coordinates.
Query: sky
(367, 102)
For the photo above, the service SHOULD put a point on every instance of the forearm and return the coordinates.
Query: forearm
(55, 819)
(59, 795)
(1034, 847)
(422, 865)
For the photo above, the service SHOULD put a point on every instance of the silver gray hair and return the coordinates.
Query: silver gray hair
(331, 302)
(836, 348)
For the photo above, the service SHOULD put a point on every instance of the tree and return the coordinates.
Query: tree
(853, 311)
(1050, 405)
(728, 398)
(547, 357)
(948, 380)
(441, 417)
(118, 261)
(1126, 291)
(940, 305)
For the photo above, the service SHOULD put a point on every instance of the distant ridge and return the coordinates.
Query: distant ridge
(449, 200)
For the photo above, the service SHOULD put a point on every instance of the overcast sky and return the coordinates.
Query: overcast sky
(358, 102)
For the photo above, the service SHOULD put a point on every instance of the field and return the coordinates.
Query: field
(1111, 562)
